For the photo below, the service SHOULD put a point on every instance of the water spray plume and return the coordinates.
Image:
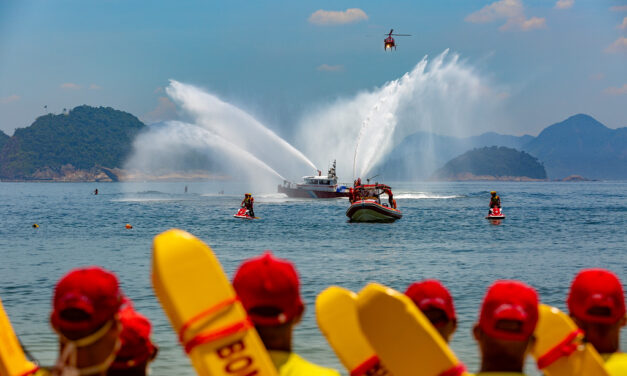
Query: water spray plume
(444, 96)
(180, 139)
(233, 124)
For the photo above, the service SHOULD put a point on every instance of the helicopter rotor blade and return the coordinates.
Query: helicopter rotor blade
(402, 35)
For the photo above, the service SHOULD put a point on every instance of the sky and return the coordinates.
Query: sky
(278, 60)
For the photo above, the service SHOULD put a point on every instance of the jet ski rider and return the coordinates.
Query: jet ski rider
(495, 201)
(247, 203)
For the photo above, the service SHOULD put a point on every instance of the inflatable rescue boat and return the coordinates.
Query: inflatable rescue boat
(366, 204)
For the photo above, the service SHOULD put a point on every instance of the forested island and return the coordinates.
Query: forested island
(83, 144)
(492, 163)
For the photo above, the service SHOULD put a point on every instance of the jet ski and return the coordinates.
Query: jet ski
(495, 213)
(366, 204)
(243, 213)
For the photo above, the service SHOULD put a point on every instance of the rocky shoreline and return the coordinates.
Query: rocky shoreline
(69, 173)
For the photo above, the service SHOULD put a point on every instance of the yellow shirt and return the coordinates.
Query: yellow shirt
(290, 364)
(616, 363)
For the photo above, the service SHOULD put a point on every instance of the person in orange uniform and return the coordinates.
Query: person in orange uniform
(269, 290)
(507, 320)
(596, 302)
(137, 350)
(391, 199)
(247, 203)
(85, 316)
(435, 301)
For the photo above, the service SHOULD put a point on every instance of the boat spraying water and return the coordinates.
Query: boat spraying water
(444, 95)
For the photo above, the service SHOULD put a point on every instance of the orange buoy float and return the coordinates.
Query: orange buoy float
(35, 225)
(128, 226)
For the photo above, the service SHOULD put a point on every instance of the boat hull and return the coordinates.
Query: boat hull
(372, 211)
(310, 193)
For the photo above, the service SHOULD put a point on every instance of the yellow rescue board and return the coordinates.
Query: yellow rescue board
(405, 340)
(336, 312)
(199, 300)
(559, 348)
(13, 362)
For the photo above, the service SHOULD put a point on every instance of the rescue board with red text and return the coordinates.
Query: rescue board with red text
(196, 295)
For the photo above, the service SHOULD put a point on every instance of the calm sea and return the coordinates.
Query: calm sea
(552, 230)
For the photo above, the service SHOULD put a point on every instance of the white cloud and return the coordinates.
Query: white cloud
(330, 68)
(619, 8)
(165, 110)
(564, 4)
(512, 11)
(616, 90)
(94, 87)
(619, 45)
(69, 86)
(624, 24)
(10, 99)
(331, 17)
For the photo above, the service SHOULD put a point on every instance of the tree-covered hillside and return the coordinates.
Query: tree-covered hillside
(3, 139)
(493, 161)
(84, 137)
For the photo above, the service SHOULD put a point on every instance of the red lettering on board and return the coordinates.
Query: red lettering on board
(236, 363)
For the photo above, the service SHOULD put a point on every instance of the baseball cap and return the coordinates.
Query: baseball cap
(137, 348)
(269, 289)
(429, 294)
(509, 311)
(596, 295)
(85, 299)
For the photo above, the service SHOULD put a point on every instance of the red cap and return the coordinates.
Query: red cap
(430, 293)
(137, 348)
(510, 301)
(596, 288)
(267, 281)
(94, 291)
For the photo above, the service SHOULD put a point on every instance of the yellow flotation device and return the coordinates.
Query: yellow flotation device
(402, 336)
(13, 362)
(559, 348)
(336, 313)
(204, 310)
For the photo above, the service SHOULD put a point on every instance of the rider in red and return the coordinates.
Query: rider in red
(247, 203)
(495, 201)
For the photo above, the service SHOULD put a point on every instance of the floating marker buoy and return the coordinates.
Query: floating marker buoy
(128, 226)
(35, 225)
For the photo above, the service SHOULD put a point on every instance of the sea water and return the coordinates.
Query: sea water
(552, 230)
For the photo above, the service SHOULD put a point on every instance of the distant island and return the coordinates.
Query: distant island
(492, 163)
(83, 144)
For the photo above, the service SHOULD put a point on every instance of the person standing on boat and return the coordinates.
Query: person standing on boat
(391, 200)
(248, 204)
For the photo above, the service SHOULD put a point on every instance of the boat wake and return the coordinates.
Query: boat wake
(425, 195)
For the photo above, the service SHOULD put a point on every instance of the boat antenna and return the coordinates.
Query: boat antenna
(372, 177)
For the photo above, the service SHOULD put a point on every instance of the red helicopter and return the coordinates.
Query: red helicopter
(389, 41)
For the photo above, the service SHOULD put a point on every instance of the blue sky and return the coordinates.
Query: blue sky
(278, 59)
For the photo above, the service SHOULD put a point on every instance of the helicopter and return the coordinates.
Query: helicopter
(389, 41)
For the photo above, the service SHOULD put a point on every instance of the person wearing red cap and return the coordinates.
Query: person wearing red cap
(137, 350)
(269, 290)
(434, 300)
(84, 315)
(597, 305)
(507, 320)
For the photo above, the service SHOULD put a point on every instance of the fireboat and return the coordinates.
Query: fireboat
(319, 186)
